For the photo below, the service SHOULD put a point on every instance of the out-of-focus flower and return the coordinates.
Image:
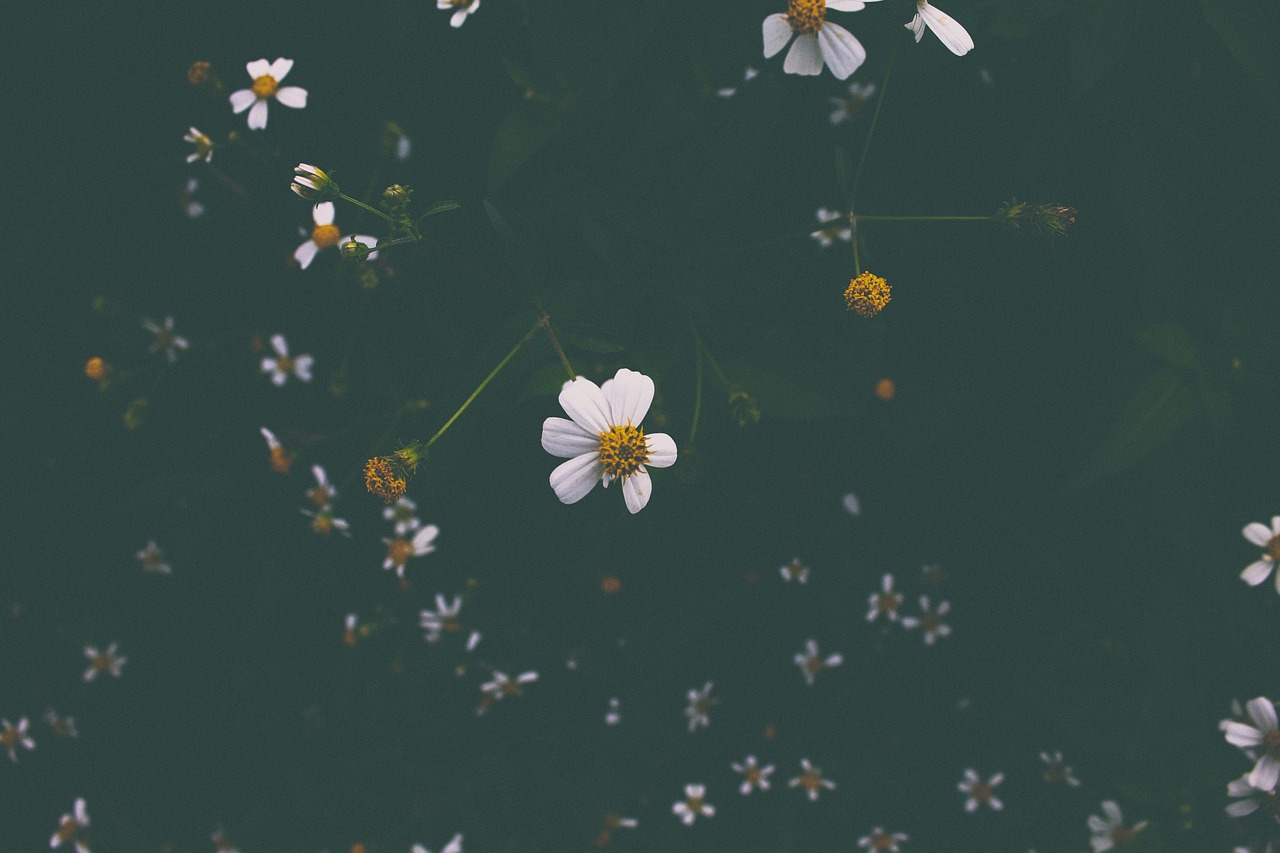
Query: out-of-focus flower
(811, 662)
(950, 33)
(281, 459)
(747, 76)
(323, 522)
(282, 365)
(1111, 832)
(454, 846)
(324, 492)
(880, 841)
(97, 368)
(885, 601)
(611, 822)
(266, 85)
(326, 234)
(59, 725)
(700, 703)
(203, 144)
(395, 143)
(152, 559)
(604, 440)
(1251, 799)
(867, 294)
(811, 780)
(1268, 539)
(187, 199)
(198, 73)
(754, 777)
(795, 571)
(502, 686)
(403, 513)
(817, 39)
(11, 738)
(221, 844)
(1056, 771)
(444, 619)
(834, 226)
(693, 804)
(847, 107)
(851, 504)
(100, 662)
(1262, 735)
(399, 550)
(71, 829)
(463, 7)
(350, 630)
(165, 340)
(930, 620)
(979, 792)
(613, 716)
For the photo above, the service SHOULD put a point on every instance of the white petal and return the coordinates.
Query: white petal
(305, 253)
(583, 401)
(242, 100)
(279, 377)
(662, 450)
(1241, 734)
(636, 490)
(443, 4)
(564, 438)
(369, 241)
(1242, 808)
(302, 367)
(268, 365)
(573, 479)
(459, 17)
(777, 32)
(422, 540)
(846, 5)
(1255, 573)
(258, 116)
(279, 344)
(1114, 816)
(629, 394)
(804, 57)
(1265, 774)
(258, 68)
(1257, 533)
(280, 68)
(916, 26)
(322, 213)
(292, 96)
(841, 50)
(1263, 714)
(950, 33)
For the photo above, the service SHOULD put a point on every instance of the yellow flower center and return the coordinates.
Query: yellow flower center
(325, 236)
(265, 86)
(281, 459)
(623, 449)
(811, 780)
(694, 804)
(95, 368)
(9, 738)
(1273, 548)
(806, 16)
(867, 294)
(399, 551)
(322, 524)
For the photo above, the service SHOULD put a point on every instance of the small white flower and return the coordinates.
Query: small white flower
(1268, 539)
(59, 725)
(613, 716)
(980, 792)
(1251, 799)
(811, 780)
(221, 844)
(817, 40)
(795, 571)
(604, 440)
(502, 686)
(1264, 735)
(324, 492)
(885, 601)
(454, 846)
(851, 504)
(1111, 832)
(165, 339)
(152, 559)
(1056, 771)
(203, 144)
(693, 805)
(326, 234)
(930, 620)
(323, 522)
(100, 662)
(754, 777)
(445, 619)
(281, 459)
(399, 550)
(402, 512)
(880, 841)
(463, 7)
(954, 36)
(266, 85)
(811, 662)
(11, 738)
(71, 829)
(700, 703)
(351, 629)
(187, 198)
(282, 365)
(847, 107)
(835, 226)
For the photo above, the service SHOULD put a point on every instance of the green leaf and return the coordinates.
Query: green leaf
(526, 128)
(1170, 342)
(1237, 24)
(1099, 32)
(439, 207)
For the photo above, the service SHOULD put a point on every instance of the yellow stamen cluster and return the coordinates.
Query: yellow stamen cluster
(1273, 548)
(281, 460)
(867, 294)
(381, 479)
(325, 236)
(806, 16)
(95, 368)
(265, 86)
(623, 449)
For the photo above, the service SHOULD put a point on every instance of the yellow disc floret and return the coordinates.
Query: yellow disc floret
(867, 294)
(623, 449)
(383, 480)
(806, 16)
(265, 86)
(325, 236)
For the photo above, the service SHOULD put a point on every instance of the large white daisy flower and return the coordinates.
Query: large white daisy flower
(954, 36)
(604, 441)
(817, 39)
(266, 85)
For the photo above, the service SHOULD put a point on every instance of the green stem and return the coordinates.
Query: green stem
(372, 210)
(861, 218)
(545, 322)
(875, 117)
(476, 393)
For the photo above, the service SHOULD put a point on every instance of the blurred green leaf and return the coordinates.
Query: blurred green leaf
(525, 129)
(1170, 342)
(1099, 31)
(1237, 24)
(439, 207)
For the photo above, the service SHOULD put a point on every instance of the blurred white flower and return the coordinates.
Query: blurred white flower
(445, 619)
(1251, 799)
(11, 738)
(795, 571)
(754, 776)
(323, 522)
(402, 512)
(326, 234)
(950, 33)
(880, 841)
(399, 550)
(71, 829)
(980, 792)
(59, 725)
(502, 686)
(203, 144)
(187, 198)
(811, 662)
(100, 662)
(613, 716)
(835, 226)
(1268, 539)
(152, 559)
(266, 85)
(693, 804)
(885, 601)
(847, 107)
(817, 40)
(1262, 735)
(1056, 771)
(851, 504)
(463, 7)
(930, 620)
(700, 703)
(165, 339)
(1109, 833)
(811, 780)
(454, 846)
(283, 365)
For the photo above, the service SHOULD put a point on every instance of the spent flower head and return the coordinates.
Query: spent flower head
(867, 294)
(1047, 220)
(1111, 832)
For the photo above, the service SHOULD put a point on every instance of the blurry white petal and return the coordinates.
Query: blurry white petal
(777, 32)
(242, 100)
(1255, 573)
(279, 345)
(583, 401)
(258, 116)
(1257, 533)
(292, 96)
(302, 367)
(950, 33)
(322, 213)
(305, 253)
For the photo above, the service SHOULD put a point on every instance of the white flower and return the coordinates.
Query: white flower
(811, 662)
(464, 7)
(282, 365)
(1112, 831)
(954, 36)
(402, 513)
(152, 559)
(454, 846)
(445, 619)
(165, 339)
(817, 40)
(795, 571)
(700, 703)
(753, 775)
(881, 841)
(12, 738)
(835, 226)
(1269, 540)
(851, 504)
(1056, 771)
(930, 620)
(187, 198)
(323, 522)
(351, 629)
(281, 459)
(885, 601)
(203, 144)
(266, 84)
(71, 827)
(980, 792)
(693, 805)
(613, 716)
(59, 725)
(324, 492)
(604, 440)
(811, 780)
(1251, 799)
(326, 234)
(1262, 734)
(103, 662)
(845, 108)
(502, 686)
(221, 844)
(399, 550)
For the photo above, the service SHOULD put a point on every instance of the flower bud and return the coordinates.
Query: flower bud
(354, 250)
(395, 196)
(313, 184)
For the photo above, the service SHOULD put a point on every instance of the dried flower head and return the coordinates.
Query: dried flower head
(384, 480)
(1047, 220)
(867, 294)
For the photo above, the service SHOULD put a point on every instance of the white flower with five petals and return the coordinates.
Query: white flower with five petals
(266, 85)
(817, 40)
(604, 440)
(954, 36)
(283, 364)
